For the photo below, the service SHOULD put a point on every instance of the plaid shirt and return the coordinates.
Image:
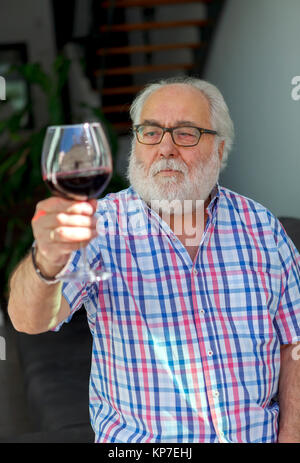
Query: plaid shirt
(188, 351)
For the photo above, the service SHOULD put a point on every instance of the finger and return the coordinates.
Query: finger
(84, 208)
(57, 204)
(72, 234)
(69, 220)
(75, 220)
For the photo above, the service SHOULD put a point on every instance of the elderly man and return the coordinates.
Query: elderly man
(194, 334)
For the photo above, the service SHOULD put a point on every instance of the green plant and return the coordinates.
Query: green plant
(20, 175)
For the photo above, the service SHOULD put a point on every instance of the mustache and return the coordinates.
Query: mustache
(166, 164)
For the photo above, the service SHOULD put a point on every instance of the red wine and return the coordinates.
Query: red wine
(80, 185)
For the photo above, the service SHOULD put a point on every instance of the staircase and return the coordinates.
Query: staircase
(137, 41)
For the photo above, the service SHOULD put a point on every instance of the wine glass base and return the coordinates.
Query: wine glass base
(86, 277)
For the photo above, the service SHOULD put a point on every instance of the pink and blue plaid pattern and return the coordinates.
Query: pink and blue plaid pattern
(188, 351)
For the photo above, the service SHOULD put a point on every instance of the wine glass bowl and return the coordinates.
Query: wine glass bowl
(77, 164)
(76, 160)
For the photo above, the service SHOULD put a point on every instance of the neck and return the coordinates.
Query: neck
(188, 226)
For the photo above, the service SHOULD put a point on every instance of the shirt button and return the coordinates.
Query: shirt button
(210, 353)
(195, 271)
(215, 394)
(202, 311)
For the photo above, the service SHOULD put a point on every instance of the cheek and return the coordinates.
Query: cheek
(145, 156)
(195, 159)
(203, 154)
(191, 158)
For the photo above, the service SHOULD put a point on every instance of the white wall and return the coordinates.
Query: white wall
(253, 60)
(30, 21)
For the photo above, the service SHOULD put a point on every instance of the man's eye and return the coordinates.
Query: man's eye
(186, 134)
(150, 134)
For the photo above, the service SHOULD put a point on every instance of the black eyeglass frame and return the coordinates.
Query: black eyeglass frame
(170, 130)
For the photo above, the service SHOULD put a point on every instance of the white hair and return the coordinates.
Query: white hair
(220, 117)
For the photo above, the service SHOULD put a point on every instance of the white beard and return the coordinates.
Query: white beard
(179, 187)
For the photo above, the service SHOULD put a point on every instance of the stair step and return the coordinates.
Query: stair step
(117, 84)
(148, 48)
(122, 127)
(116, 108)
(155, 25)
(131, 89)
(140, 69)
(146, 3)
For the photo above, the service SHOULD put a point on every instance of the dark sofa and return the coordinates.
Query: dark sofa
(56, 367)
(56, 370)
(292, 227)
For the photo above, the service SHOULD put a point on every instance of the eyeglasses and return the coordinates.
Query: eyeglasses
(181, 136)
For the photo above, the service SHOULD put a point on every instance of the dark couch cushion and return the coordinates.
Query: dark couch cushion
(74, 435)
(292, 227)
(56, 368)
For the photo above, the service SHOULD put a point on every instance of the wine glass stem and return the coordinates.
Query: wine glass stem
(84, 258)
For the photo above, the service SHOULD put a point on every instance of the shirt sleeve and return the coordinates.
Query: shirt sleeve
(78, 293)
(287, 319)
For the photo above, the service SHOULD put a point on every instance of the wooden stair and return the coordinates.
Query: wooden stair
(122, 66)
(138, 69)
(154, 25)
(148, 48)
(146, 3)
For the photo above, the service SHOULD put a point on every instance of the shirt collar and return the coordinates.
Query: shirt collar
(214, 199)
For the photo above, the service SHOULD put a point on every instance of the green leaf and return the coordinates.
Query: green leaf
(34, 74)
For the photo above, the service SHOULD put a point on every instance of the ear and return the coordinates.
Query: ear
(221, 150)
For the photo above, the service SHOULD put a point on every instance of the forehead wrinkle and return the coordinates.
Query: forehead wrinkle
(150, 122)
(176, 123)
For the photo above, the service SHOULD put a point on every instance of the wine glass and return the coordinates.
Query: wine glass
(77, 164)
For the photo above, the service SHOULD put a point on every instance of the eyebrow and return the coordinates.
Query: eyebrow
(177, 123)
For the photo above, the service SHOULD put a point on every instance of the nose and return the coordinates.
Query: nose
(167, 147)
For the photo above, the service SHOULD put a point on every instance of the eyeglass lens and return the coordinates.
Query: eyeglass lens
(184, 136)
